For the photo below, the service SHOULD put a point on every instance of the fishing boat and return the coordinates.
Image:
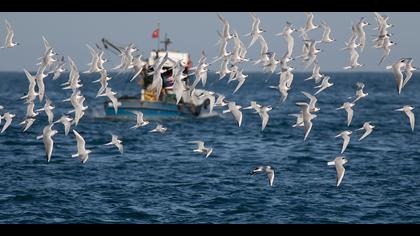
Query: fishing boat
(164, 107)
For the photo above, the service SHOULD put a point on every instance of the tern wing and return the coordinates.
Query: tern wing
(410, 115)
(270, 176)
(340, 173)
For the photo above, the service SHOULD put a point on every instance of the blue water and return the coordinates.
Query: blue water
(159, 179)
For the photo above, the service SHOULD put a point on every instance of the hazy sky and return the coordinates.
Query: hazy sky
(191, 32)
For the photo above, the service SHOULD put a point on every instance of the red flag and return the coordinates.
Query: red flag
(155, 33)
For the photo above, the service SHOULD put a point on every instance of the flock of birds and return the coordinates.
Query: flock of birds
(232, 64)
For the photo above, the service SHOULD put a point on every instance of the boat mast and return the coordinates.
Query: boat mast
(166, 41)
(158, 34)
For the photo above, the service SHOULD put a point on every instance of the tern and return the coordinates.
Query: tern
(408, 111)
(235, 110)
(139, 120)
(47, 134)
(354, 56)
(326, 38)
(66, 121)
(240, 77)
(265, 169)
(255, 29)
(48, 110)
(398, 76)
(9, 118)
(306, 118)
(312, 102)
(159, 128)
(118, 143)
(28, 123)
(386, 45)
(324, 84)
(263, 112)
(9, 37)
(346, 138)
(359, 92)
(316, 75)
(339, 166)
(368, 129)
(201, 148)
(111, 95)
(82, 152)
(409, 69)
(348, 107)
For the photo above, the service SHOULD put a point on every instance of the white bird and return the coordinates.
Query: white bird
(312, 102)
(30, 110)
(312, 53)
(82, 152)
(48, 110)
(265, 169)
(398, 76)
(324, 84)
(307, 118)
(31, 95)
(354, 56)
(359, 92)
(316, 75)
(226, 28)
(240, 77)
(58, 68)
(201, 148)
(139, 120)
(264, 59)
(111, 95)
(409, 69)
(309, 22)
(27, 122)
(39, 77)
(253, 105)
(235, 110)
(348, 107)
(263, 112)
(287, 34)
(47, 134)
(48, 59)
(9, 118)
(9, 37)
(157, 75)
(338, 163)
(138, 66)
(103, 80)
(77, 100)
(346, 138)
(66, 121)
(386, 45)
(74, 77)
(326, 38)
(255, 30)
(220, 101)
(299, 120)
(118, 143)
(159, 128)
(361, 32)
(368, 129)
(408, 111)
(94, 61)
(224, 70)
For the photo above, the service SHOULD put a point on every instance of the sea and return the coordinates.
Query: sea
(159, 179)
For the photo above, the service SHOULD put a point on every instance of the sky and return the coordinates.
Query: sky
(69, 32)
